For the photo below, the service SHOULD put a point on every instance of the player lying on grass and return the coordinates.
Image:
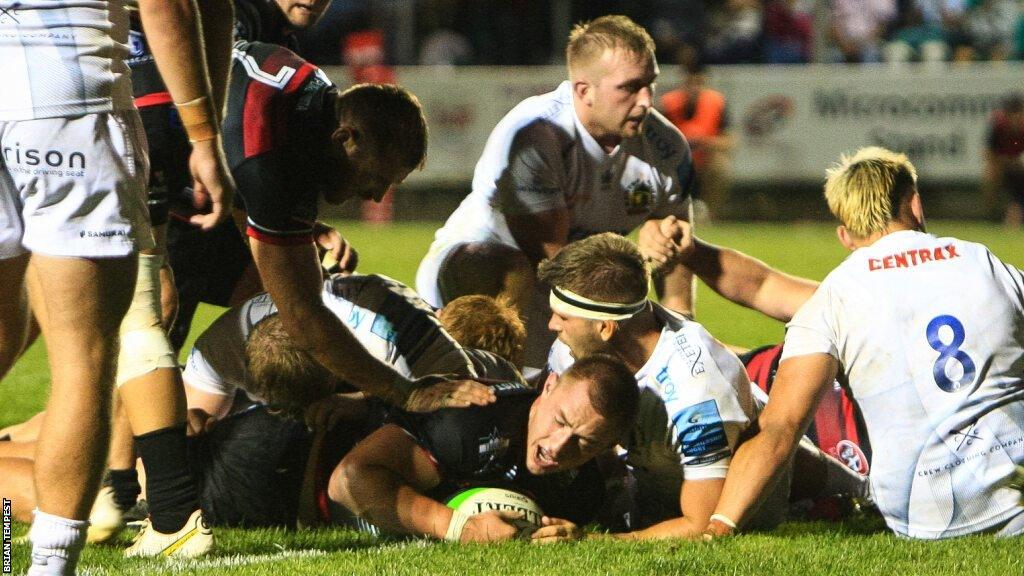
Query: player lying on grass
(929, 333)
(591, 156)
(696, 401)
(244, 373)
(292, 139)
(540, 442)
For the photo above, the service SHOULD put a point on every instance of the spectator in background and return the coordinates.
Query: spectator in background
(921, 33)
(990, 26)
(788, 32)
(446, 47)
(1004, 160)
(857, 27)
(734, 35)
(700, 113)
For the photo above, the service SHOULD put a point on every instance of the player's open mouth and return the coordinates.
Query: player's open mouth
(544, 458)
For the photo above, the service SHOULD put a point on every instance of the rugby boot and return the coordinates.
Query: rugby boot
(194, 539)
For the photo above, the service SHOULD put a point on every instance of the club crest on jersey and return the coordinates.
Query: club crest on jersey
(850, 454)
(136, 45)
(639, 196)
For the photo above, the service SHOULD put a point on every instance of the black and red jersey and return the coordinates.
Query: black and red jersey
(280, 116)
(255, 20)
(838, 427)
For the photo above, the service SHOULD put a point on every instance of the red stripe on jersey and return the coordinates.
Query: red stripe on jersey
(260, 119)
(760, 367)
(299, 77)
(290, 240)
(154, 99)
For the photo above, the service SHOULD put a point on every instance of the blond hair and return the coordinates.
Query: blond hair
(486, 323)
(589, 40)
(866, 191)
(285, 377)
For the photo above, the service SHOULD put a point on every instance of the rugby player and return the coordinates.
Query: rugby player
(72, 200)
(948, 405)
(696, 399)
(212, 266)
(591, 156)
(292, 139)
(252, 394)
(540, 442)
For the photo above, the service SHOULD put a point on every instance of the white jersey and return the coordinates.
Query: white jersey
(62, 58)
(387, 318)
(540, 158)
(930, 332)
(695, 401)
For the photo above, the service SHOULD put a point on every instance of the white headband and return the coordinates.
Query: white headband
(571, 304)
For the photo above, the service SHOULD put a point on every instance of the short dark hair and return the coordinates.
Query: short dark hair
(391, 118)
(613, 391)
(604, 267)
(287, 378)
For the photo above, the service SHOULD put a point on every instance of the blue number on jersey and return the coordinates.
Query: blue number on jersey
(949, 352)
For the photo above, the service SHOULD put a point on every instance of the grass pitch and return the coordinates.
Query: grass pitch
(859, 547)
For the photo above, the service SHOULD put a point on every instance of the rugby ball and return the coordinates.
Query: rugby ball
(479, 500)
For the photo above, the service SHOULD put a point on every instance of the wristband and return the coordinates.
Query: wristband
(723, 519)
(199, 119)
(458, 522)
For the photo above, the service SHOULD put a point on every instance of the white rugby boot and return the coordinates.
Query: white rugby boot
(105, 519)
(194, 539)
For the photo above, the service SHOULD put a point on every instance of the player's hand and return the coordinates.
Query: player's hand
(716, 530)
(491, 527)
(213, 185)
(555, 530)
(340, 255)
(448, 394)
(666, 240)
(325, 413)
(199, 421)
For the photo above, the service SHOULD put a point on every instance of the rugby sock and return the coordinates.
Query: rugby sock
(170, 488)
(56, 544)
(125, 484)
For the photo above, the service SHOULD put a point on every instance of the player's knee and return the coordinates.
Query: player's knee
(144, 344)
(339, 486)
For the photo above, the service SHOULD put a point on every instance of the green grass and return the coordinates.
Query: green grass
(855, 548)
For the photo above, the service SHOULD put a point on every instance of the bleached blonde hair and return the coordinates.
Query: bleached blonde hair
(589, 40)
(866, 191)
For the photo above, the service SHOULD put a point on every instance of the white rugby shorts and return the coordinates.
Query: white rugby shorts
(74, 187)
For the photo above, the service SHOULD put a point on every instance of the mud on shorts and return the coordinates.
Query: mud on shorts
(74, 187)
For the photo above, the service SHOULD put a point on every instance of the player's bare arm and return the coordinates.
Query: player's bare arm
(383, 479)
(798, 387)
(292, 277)
(697, 500)
(540, 235)
(175, 38)
(739, 277)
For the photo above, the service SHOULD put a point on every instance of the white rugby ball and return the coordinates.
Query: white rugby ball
(479, 500)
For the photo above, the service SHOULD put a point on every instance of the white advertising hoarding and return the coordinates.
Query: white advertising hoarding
(790, 122)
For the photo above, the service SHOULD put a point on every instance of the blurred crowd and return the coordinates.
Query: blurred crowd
(531, 32)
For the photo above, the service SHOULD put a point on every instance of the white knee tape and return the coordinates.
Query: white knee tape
(144, 344)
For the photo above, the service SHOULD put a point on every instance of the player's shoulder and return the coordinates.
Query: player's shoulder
(690, 351)
(544, 117)
(273, 64)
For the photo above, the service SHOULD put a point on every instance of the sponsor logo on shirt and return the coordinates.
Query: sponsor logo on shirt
(666, 385)
(136, 44)
(691, 354)
(701, 432)
(911, 258)
(50, 162)
(492, 447)
(104, 233)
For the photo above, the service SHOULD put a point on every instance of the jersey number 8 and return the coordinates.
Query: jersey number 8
(949, 352)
